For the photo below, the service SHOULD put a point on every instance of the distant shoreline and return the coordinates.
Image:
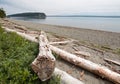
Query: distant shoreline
(82, 16)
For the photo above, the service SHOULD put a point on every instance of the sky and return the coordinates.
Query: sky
(63, 7)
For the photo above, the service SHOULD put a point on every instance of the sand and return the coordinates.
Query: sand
(82, 36)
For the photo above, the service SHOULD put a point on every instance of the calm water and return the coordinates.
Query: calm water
(97, 23)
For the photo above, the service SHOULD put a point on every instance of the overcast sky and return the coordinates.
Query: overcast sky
(60, 7)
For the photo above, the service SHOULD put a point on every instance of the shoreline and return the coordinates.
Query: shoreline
(90, 36)
(63, 26)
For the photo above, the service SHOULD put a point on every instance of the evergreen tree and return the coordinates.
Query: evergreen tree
(2, 13)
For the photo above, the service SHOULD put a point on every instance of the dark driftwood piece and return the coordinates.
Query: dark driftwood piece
(44, 64)
(112, 61)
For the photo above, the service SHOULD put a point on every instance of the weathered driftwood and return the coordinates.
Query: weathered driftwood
(112, 61)
(22, 34)
(44, 64)
(88, 65)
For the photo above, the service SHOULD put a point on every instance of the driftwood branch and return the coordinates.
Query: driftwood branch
(85, 54)
(112, 61)
(60, 42)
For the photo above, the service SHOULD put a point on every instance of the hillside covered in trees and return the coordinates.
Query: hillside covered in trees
(29, 15)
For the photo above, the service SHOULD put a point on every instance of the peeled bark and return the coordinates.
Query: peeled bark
(44, 64)
(88, 65)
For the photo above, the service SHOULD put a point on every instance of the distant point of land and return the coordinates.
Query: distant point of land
(35, 15)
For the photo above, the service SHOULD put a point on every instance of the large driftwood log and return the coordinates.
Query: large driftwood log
(28, 37)
(88, 65)
(44, 64)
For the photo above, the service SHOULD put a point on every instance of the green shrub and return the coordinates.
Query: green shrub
(16, 55)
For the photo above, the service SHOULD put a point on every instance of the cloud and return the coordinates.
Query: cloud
(62, 6)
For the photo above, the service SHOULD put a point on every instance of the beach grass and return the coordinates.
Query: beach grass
(16, 55)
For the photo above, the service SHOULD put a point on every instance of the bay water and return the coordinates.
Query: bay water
(97, 23)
